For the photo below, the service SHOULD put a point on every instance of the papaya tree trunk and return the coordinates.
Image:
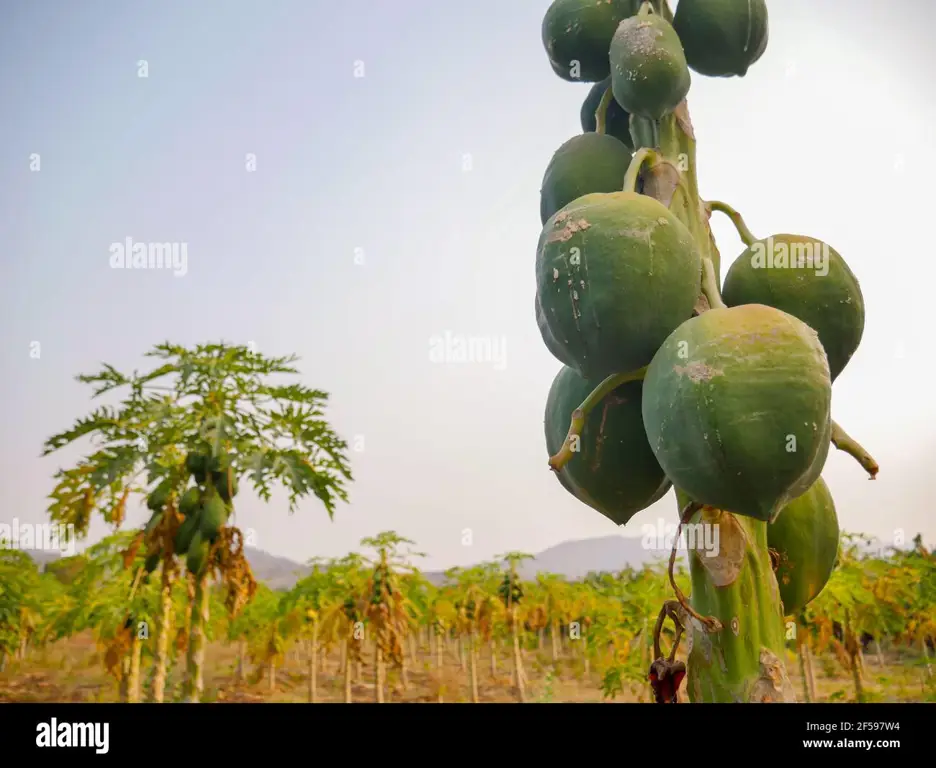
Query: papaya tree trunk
(163, 632)
(587, 658)
(240, 672)
(540, 638)
(195, 661)
(926, 655)
(517, 659)
(878, 653)
(804, 672)
(461, 652)
(379, 674)
(493, 647)
(347, 677)
(438, 666)
(554, 638)
(133, 684)
(473, 667)
(123, 690)
(313, 667)
(742, 659)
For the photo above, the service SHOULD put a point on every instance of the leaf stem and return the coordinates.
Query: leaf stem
(710, 284)
(564, 456)
(743, 232)
(601, 113)
(641, 158)
(842, 441)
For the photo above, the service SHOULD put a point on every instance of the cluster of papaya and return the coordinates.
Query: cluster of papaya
(204, 507)
(510, 591)
(731, 403)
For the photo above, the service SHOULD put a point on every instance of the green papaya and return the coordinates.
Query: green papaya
(616, 273)
(590, 162)
(184, 534)
(617, 120)
(577, 33)
(153, 523)
(551, 343)
(197, 555)
(225, 483)
(152, 562)
(737, 408)
(160, 495)
(649, 74)
(191, 500)
(808, 279)
(212, 517)
(613, 469)
(805, 536)
(197, 463)
(722, 38)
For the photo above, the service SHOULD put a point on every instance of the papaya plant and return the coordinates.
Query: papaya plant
(184, 436)
(670, 379)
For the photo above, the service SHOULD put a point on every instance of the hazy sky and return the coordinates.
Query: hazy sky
(389, 208)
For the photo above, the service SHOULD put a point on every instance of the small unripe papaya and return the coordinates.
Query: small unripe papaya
(190, 501)
(197, 555)
(649, 74)
(722, 38)
(617, 120)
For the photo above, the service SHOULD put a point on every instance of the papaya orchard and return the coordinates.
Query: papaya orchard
(671, 379)
(372, 627)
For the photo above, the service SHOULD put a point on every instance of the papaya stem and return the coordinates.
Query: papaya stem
(646, 9)
(601, 113)
(842, 441)
(743, 232)
(644, 132)
(564, 456)
(710, 623)
(710, 284)
(641, 158)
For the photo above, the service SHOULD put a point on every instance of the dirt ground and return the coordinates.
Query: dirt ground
(72, 671)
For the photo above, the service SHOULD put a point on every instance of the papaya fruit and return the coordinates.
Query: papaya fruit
(153, 523)
(184, 534)
(737, 408)
(212, 517)
(160, 495)
(197, 463)
(220, 480)
(805, 537)
(590, 162)
(617, 120)
(649, 74)
(616, 273)
(613, 471)
(197, 555)
(190, 501)
(551, 343)
(722, 38)
(576, 35)
(152, 562)
(808, 279)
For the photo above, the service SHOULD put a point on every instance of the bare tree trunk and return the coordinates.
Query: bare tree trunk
(195, 662)
(133, 684)
(802, 651)
(347, 674)
(518, 661)
(461, 652)
(473, 667)
(554, 636)
(926, 655)
(378, 674)
(271, 675)
(313, 667)
(493, 646)
(540, 638)
(585, 655)
(878, 653)
(163, 631)
(810, 674)
(438, 664)
(240, 673)
(124, 687)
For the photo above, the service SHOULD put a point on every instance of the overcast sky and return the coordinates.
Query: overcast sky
(399, 149)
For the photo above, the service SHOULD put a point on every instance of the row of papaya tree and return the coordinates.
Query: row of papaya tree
(369, 622)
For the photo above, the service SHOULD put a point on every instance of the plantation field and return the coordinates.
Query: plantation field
(72, 671)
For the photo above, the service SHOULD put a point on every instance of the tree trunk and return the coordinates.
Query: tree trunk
(742, 660)
(804, 673)
(271, 675)
(195, 662)
(926, 655)
(811, 675)
(517, 659)
(133, 682)
(587, 661)
(240, 673)
(163, 632)
(378, 674)
(347, 674)
(461, 652)
(554, 636)
(473, 668)
(878, 653)
(438, 665)
(124, 687)
(540, 638)
(313, 667)
(493, 647)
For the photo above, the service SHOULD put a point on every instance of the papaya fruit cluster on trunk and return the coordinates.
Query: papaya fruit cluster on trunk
(668, 378)
(204, 507)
